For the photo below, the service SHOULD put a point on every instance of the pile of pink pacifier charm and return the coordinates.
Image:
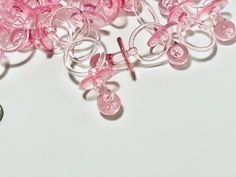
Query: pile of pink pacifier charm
(72, 27)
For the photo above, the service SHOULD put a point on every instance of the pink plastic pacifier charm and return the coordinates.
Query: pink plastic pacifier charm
(178, 55)
(108, 102)
(224, 29)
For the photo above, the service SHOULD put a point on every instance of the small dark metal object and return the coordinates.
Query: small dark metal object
(1, 112)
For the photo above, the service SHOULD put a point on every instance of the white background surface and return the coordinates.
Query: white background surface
(175, 123)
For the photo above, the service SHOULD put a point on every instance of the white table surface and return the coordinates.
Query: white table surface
(175, 123)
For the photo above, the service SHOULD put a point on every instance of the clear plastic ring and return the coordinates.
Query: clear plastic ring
(80, 65)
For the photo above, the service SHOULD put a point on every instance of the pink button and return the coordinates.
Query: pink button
(109, 103)
(225, 31)
(178, 55)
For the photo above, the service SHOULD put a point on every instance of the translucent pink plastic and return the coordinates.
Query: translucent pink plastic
(191, 12)
(178, 55)
(180, 14)
(128, 62)
(108, 102)
(99, 12)
(130, 5)
(97, 58)
(74, 28)
(165, 6)
(224, 29)
(160, 38)
(147, 61)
